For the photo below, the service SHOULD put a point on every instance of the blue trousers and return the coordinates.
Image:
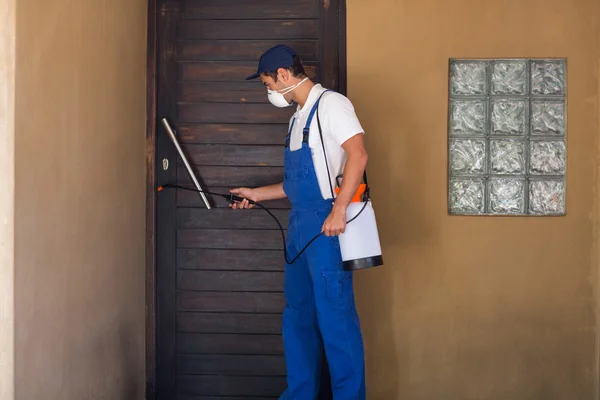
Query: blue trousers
(320, 313)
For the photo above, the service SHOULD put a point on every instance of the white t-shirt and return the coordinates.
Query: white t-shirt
(338, 123)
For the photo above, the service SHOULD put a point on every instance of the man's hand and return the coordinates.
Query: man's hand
(263, 193)
(335, 224)
(247, 194)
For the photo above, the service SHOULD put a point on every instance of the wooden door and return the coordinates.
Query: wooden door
(219, 272)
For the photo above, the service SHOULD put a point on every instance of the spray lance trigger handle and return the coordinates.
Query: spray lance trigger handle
(232, 198)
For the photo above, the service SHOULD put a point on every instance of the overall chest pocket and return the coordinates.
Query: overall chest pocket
(296, 174)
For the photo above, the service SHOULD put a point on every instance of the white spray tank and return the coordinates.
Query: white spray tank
(359, 244)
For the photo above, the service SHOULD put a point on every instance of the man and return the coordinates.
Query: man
(320, 311)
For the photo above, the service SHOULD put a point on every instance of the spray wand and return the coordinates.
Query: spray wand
(233, 198)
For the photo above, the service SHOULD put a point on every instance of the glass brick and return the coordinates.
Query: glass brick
(509, 117)
(547, 78)
(509, 78)
(468, 78)
(467, 196)
(467, 156)
(547, 118)
(547, 197)
(507, 157)
(467, 117)
(507, 196)
(507, 136)
(547, 157)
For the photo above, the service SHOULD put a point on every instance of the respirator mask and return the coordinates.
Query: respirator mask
(276, 98)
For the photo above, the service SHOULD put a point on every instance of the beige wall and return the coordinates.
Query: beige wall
(7, 116)
(466, 308)
(472, 308)
(80, 199)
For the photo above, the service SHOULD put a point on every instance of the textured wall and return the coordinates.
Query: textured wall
(472, 307)
(7, 116)
(80, 199)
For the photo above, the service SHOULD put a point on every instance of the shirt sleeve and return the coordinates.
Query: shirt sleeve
(339, 118)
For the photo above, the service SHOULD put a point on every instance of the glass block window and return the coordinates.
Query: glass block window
(507, 146)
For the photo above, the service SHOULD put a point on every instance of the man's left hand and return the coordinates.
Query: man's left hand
(335, 224)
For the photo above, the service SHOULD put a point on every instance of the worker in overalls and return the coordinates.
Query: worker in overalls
(320, 310)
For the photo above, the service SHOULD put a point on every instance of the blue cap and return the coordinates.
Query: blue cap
(280, 56)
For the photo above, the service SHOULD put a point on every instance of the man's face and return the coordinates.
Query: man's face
(281, 84)
(269, 82)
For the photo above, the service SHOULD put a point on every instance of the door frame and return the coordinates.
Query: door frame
(151, 165)
(151, 125)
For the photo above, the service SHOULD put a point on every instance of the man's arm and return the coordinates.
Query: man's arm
(355, 166)
(263, 193)
(270, 192)
(353, 170)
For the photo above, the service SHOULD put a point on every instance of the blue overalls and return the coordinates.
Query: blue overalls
(320, 309)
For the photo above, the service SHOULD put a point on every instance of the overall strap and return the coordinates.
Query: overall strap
(287, 138)
(313, 110)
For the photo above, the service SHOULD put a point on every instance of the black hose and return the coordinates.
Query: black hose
(232, 198)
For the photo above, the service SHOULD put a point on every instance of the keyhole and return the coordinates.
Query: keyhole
(165, 163)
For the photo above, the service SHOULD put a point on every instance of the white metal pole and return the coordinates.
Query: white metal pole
(185, 162)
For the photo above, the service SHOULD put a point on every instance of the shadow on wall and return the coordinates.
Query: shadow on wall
(115, 365)
(387, 296)
(132, 387)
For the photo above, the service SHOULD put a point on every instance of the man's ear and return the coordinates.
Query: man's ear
(285, 74)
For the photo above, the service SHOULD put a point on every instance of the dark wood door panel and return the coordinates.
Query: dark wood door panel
(222, 385)
(207, 343)
(235, 155)
(243, 281)
(245, 302)
(230, 260)
(223, 92)
(255, 239)
(232, 176)
(192, 397)
(215, 71)
(199, 322)
(228, 71)
(273, 134)
(233, 113)
(243, 29)
(241, 50)
(226, 218)
(221, 364)
(244, 9)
